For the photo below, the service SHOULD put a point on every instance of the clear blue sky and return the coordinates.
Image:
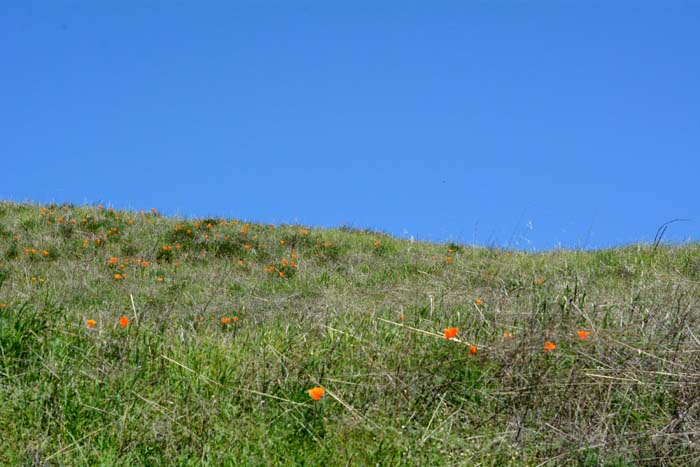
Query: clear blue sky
(524, 123)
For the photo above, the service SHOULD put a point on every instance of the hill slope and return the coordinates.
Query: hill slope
(130, 338)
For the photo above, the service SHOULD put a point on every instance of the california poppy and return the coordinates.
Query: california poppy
(123, 321)
(583, 335)
(316, 392)
(118, 277)
(225, 320)
(549, 346)
(90, 322)
(450, 333)
(472, 349)
(478, 301)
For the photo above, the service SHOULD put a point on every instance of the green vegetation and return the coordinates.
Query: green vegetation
(358, 313)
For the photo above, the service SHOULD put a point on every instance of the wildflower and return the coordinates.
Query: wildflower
(160, 279)
(583, 335)
(118, 277)
(145, 264)
(247, 247)
(509, 335)
(3, 305)
(316, 392)
(472, 349)
(90, 322)
(45, 253)
(376, 243)
(225, 320)
(451, 333)
(281, 273)
(123, 321)
(113, 260)
(402, 317)
(478, 301)
(235, 319)
(549, 346)
(540, 281)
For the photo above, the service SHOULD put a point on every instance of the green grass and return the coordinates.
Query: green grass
(178, 387)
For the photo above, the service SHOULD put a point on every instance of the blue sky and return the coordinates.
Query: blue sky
(529, 124)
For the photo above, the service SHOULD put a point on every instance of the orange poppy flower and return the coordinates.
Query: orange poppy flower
(118, 277)
(478, 301)
(508, 335)
(225, 320)
(235, 319)
(472, 349)
(145, 264)
(113, 260)
(451, 333)
(90, 322)
(45, 253)
(540, 281)
(3, 305)
(402, 317)
(549, 346)
(583, 335)
(123, 321)
(316, 392)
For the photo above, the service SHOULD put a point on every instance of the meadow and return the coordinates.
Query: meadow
(130, 338)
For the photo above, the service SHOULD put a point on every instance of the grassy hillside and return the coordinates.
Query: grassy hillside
(230, 324)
